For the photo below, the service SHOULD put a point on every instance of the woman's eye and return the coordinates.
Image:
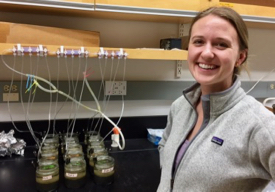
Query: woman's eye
(198, 42)
(221, 45)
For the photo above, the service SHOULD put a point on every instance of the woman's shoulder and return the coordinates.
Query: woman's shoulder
(255, 109)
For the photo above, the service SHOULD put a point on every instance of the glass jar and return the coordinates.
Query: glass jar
(51, 142)
(97, 151)
(73, 153)
(48, 148)
(67, 141)
(72, 146)
(92, 145)
(104, 170)
(75, 172)
(88, 134)
(53, 136)
(47, 176)
(94, 138)
(50, 155)
(65, 136)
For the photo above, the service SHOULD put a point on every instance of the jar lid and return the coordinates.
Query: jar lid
(95, 138)
(91, 133)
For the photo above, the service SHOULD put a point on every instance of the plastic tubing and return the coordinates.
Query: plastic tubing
(268, 99)
(55, 90)
(98, 111)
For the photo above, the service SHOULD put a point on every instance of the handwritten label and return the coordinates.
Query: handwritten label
(71, 174)
(107, 170)
(47, 178)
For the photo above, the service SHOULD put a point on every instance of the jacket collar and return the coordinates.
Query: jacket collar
(216, 103)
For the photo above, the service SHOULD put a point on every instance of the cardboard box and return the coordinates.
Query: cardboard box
(34, 34)
(184, 42)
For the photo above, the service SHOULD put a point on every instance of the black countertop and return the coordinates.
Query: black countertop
(136, 169)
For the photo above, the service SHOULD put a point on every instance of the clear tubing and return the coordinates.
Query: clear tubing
(50, 107)
(23, 107)
(29, 105)
(268, 99)
(102, 74)
(100, 120)
(74, 106)
(55, 90)
(8, 103)
(63, 103)
(260, 80)
(122, 96)
(106, 102)
(56, 101)
(81, 93)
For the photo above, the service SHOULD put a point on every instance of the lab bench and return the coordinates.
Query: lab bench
(136, 169)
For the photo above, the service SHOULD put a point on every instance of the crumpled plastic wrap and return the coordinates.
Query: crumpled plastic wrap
(154, 135)
(10, 145)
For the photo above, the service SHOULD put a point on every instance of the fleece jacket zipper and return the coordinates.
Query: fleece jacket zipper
(206, 119)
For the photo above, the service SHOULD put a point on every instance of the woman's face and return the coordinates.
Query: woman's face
(213, 53)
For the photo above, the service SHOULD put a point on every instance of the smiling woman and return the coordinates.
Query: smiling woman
(216, 52)
(214, 133)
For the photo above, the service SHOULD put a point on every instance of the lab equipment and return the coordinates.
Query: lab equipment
(104, 170)
(47, 176)
(75, 172)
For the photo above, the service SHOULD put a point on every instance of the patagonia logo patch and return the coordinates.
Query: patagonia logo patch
(217, 140)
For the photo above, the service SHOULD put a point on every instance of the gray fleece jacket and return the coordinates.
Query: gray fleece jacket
(233, 151)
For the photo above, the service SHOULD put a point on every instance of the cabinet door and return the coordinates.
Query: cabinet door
(194, 5)
(255, 8)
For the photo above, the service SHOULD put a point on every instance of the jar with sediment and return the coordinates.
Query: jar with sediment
(67, 141)
(104, 170)
(88, 134)
(94, 138)
(47, 176)
(97, 151)
(75, 172)
(92, 145)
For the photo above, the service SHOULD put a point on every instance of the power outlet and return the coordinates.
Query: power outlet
(10, 93)
(10, 97)
(115, 87)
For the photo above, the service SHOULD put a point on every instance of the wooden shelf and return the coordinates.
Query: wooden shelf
(156, 54)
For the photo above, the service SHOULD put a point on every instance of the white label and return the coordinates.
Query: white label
(47, 178)
(107, 170)
(71, 174)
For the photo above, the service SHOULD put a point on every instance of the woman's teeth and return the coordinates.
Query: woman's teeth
(204, 66)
